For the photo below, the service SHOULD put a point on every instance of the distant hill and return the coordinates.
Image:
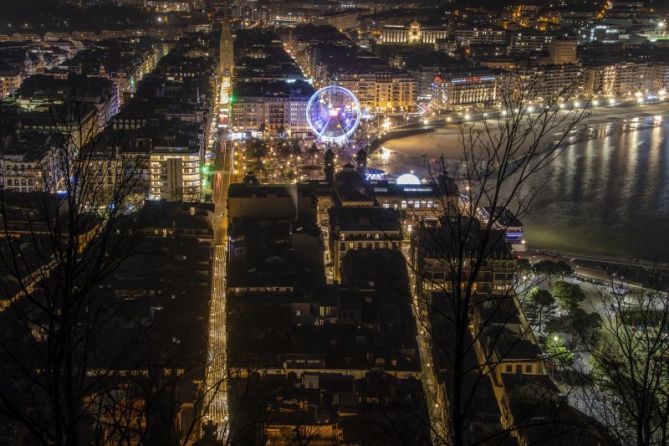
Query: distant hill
(40, 16)
(498, 5)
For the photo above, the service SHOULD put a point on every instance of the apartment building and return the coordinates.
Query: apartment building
(378, 90)
(174, 173)
(271, 107)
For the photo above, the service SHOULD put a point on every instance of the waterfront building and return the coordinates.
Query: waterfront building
(628, 80)
(547, 82)
(455, 89)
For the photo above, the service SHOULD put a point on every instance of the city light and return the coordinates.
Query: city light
(333, 113)
(299, 158)
(385, 154)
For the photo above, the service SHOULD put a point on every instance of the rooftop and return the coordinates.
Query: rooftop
(271, 88)
(364, 219)
(452, 236)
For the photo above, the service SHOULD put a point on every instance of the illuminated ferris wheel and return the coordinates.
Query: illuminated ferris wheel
(333, 113)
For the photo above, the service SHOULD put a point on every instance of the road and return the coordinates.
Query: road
(216, 379)
(631, 272)
(30, 282)
(434, 390)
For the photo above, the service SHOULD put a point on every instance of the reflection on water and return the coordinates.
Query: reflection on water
(608, 193)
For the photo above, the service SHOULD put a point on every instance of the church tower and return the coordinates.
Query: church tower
(361, 162)
(226, 61)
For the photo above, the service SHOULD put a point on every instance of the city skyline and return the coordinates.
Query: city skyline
(334, 222)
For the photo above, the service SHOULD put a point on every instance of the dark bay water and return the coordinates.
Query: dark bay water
(608, 194)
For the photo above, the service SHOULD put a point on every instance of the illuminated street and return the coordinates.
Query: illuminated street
(216, 380)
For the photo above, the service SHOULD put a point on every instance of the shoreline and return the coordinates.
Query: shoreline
(598, 116)
(397, 134)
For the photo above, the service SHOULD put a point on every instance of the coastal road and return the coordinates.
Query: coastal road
(632, 272)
